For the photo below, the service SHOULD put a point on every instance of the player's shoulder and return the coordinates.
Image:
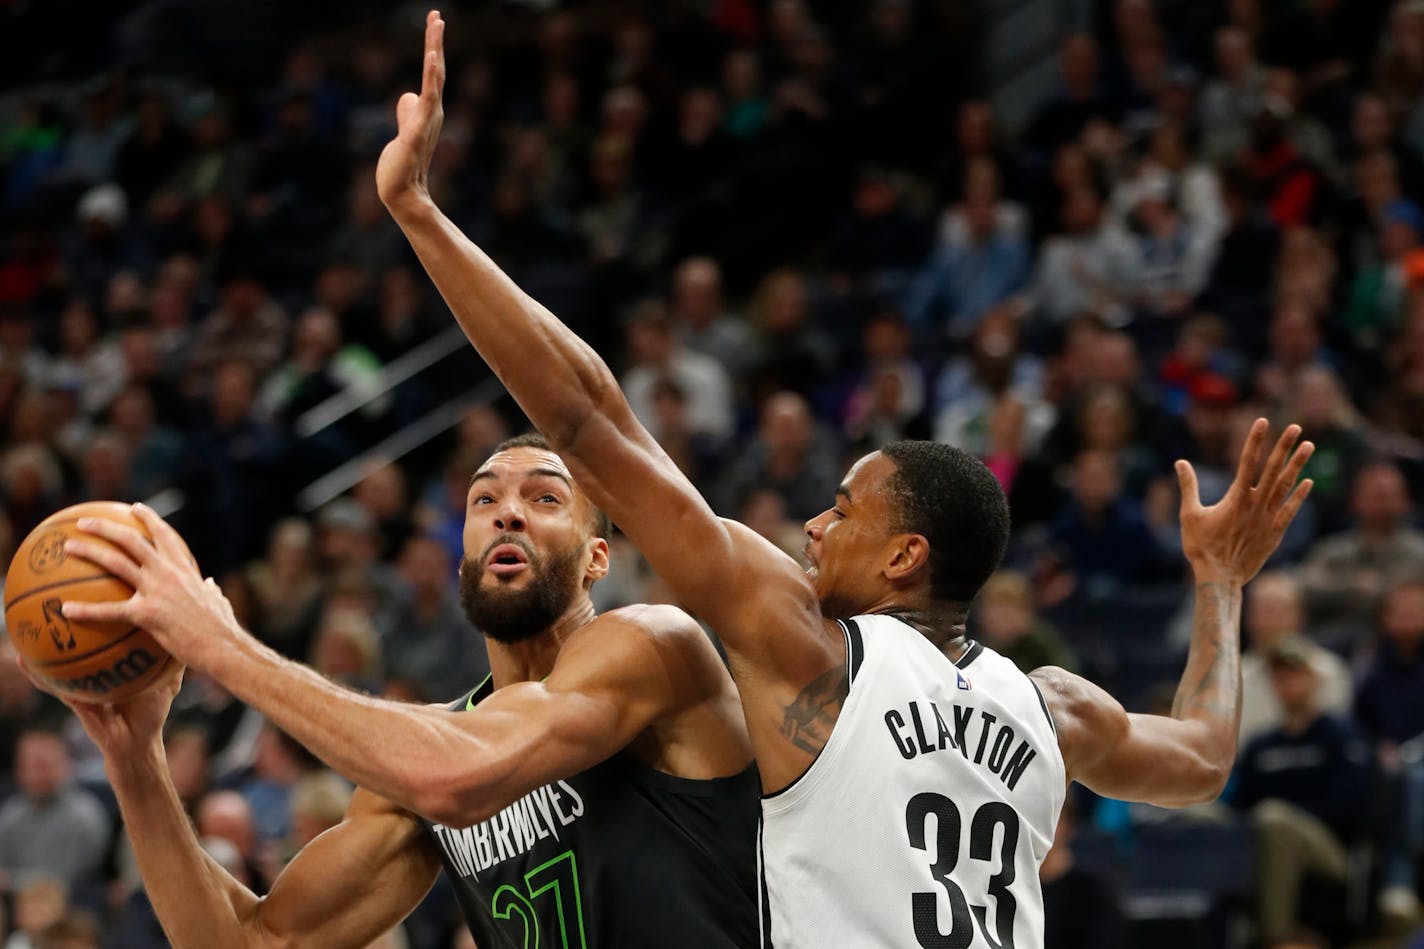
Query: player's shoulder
(622, 634)
(1074, 703)
(660, 621)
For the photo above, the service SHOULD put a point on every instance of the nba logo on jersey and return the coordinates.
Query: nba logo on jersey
(964, 684)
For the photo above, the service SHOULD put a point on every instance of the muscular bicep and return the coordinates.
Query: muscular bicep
(1130, 757)
(615, 678)
(352, 883)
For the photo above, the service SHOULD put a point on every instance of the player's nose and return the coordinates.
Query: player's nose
(509, 516)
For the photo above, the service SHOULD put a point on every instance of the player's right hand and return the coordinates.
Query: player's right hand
(401, 173)
(1232, 539)
(123, 729)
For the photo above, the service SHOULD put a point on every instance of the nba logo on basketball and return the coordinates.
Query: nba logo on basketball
(964, 683)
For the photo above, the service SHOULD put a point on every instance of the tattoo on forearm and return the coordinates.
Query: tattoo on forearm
(810, 718)
(1211, 684)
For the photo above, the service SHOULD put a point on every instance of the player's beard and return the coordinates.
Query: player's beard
(513, 614)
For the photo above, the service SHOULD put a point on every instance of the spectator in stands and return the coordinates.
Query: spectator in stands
(21, 704)
(1203, 349)
(226, 816)
(1079, 906)
(348, 550)
(787, 456)
(1302, 784)
(1346, 575)
(1101, 537)
(279, 763)
(971, 385)
(347, 649)
(247, 326)
(435, 654)
(881, 241)
(1390, 707)
(1229, 102)
(39, 903)
(321, 365)
(287, 587)
(319, 802)
(94, 364)
(969, 272)
(793, 352)
(696, 455)
(50, 827)
(382, 492)
(1172, 256)
(655, 354)
(76, 929)
(1086, 267)
(888, 400)
(1081, 100)
(230, 472)
(104, 469)
(1007, 621)
(1275, 614)
(701, 320)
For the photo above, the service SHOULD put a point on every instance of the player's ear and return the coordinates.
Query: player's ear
(597, 560)
(908, 554)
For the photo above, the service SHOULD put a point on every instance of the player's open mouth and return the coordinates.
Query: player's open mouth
(506, 560)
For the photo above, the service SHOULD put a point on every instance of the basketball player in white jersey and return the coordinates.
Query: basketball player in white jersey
(912, 778)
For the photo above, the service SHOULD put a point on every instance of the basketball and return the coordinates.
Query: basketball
(87, 662)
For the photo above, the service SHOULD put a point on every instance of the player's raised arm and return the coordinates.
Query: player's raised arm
(346, 888)
(719, 570)
(1186, 757)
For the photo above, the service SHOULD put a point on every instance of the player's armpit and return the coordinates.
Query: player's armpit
(1148, 758)
(351, 884)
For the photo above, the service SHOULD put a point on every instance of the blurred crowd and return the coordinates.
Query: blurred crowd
(797, 230)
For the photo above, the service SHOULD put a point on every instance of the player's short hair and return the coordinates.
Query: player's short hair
(601, 526)
(951, 498)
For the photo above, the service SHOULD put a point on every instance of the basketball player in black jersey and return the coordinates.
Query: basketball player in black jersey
(597, 790)
(913, 532)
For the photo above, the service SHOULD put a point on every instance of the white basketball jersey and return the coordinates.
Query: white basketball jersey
(925, 817)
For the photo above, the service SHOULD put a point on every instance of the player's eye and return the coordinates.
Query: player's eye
(484, 499)
(837, 512)
(549, 497)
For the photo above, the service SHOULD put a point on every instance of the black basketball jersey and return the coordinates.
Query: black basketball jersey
(618, 855)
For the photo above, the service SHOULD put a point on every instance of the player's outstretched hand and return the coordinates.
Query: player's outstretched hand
(405, 162)
(123, 730)
(188, 616)
(1231, 540)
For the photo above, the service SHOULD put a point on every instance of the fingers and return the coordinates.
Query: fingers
(1279, 454)
(121, 536)
(1250, 460)
(1283, 484)
(167, 540)
(83, 611)
(432, 85)
(1187, 481)
(1289, 510)
(105, 558)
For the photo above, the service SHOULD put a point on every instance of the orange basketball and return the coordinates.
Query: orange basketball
(88, 662)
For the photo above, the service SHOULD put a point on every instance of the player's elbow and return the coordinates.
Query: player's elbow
(459, 798)
(1205, 780)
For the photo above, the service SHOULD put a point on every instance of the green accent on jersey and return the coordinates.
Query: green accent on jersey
(470, 700)
(507, 901)
(563, 880)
